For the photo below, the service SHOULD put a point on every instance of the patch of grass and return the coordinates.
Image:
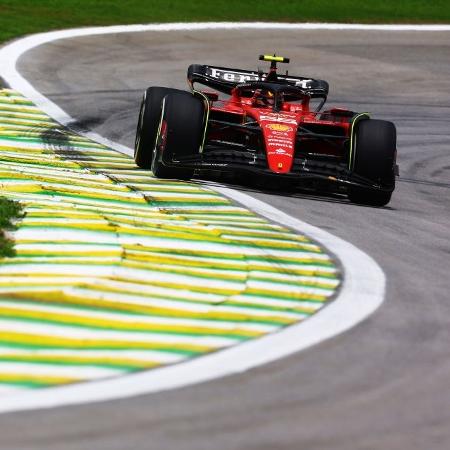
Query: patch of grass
(9, 211)
(31, 16)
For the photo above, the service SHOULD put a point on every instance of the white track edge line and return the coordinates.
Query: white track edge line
(361, 293)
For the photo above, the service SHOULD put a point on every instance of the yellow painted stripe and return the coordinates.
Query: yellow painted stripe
(44, 341)
(72, 319)
(29, 378)
(51, 297)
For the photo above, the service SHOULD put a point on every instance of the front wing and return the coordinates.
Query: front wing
(303, 170)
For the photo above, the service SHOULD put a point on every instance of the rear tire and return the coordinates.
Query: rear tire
(147, 126)
(375, 156)
(179, 134)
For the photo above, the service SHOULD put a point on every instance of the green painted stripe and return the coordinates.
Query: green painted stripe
(28, 384)
(79, 324)
(5, 100)
(57, 362)
(139, 310)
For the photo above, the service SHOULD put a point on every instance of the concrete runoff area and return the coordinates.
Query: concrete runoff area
(381, 385)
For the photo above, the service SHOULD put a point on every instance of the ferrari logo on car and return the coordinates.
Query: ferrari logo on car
(278, 127)
(279, 117)
(280, 165)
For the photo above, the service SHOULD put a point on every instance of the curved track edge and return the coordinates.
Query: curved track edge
(362, 291)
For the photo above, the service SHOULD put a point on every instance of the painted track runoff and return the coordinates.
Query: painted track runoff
(361, 293)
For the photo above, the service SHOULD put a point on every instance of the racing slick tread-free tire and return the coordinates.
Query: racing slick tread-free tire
(375, 156)
(147, 126)
(180, 134)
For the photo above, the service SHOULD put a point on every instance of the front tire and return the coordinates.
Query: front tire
(374, 159)
(147, 127)
(180, 134)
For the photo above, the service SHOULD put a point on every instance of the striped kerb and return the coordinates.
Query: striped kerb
(117, 271)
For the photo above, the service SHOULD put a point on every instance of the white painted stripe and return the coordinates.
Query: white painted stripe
(257, 228)
(65, 248)
(275, 302)
(170, 303)
(184, 195)
(57, 370)
(143, 355)
(295, 278)
(49, 221)
(152, 186)
(224, 219)
(329, 270)
(48, 281)
(139, 175)
(82, 236)
(62, 284)
(362, 291)
(135, 294)
(288, 288)
(146, 276)
(278, 234)
(9, 390)
(67, 259)
(275, 242)
(30, 289)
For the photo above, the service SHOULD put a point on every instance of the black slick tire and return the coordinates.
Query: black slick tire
(374, 159)
(180, 134)
(147, 127)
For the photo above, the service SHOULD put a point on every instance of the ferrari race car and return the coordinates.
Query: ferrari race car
(269, 125)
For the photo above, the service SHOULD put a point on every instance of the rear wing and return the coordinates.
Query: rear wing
(224, 79)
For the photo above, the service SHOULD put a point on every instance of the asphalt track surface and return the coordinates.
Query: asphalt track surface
(383, 385)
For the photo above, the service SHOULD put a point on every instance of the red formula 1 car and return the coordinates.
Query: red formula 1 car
(265, 124)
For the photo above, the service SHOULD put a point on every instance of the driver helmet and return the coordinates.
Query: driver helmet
(264, 98)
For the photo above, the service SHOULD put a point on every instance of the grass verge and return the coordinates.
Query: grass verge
(9, 211)
(30, 16)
